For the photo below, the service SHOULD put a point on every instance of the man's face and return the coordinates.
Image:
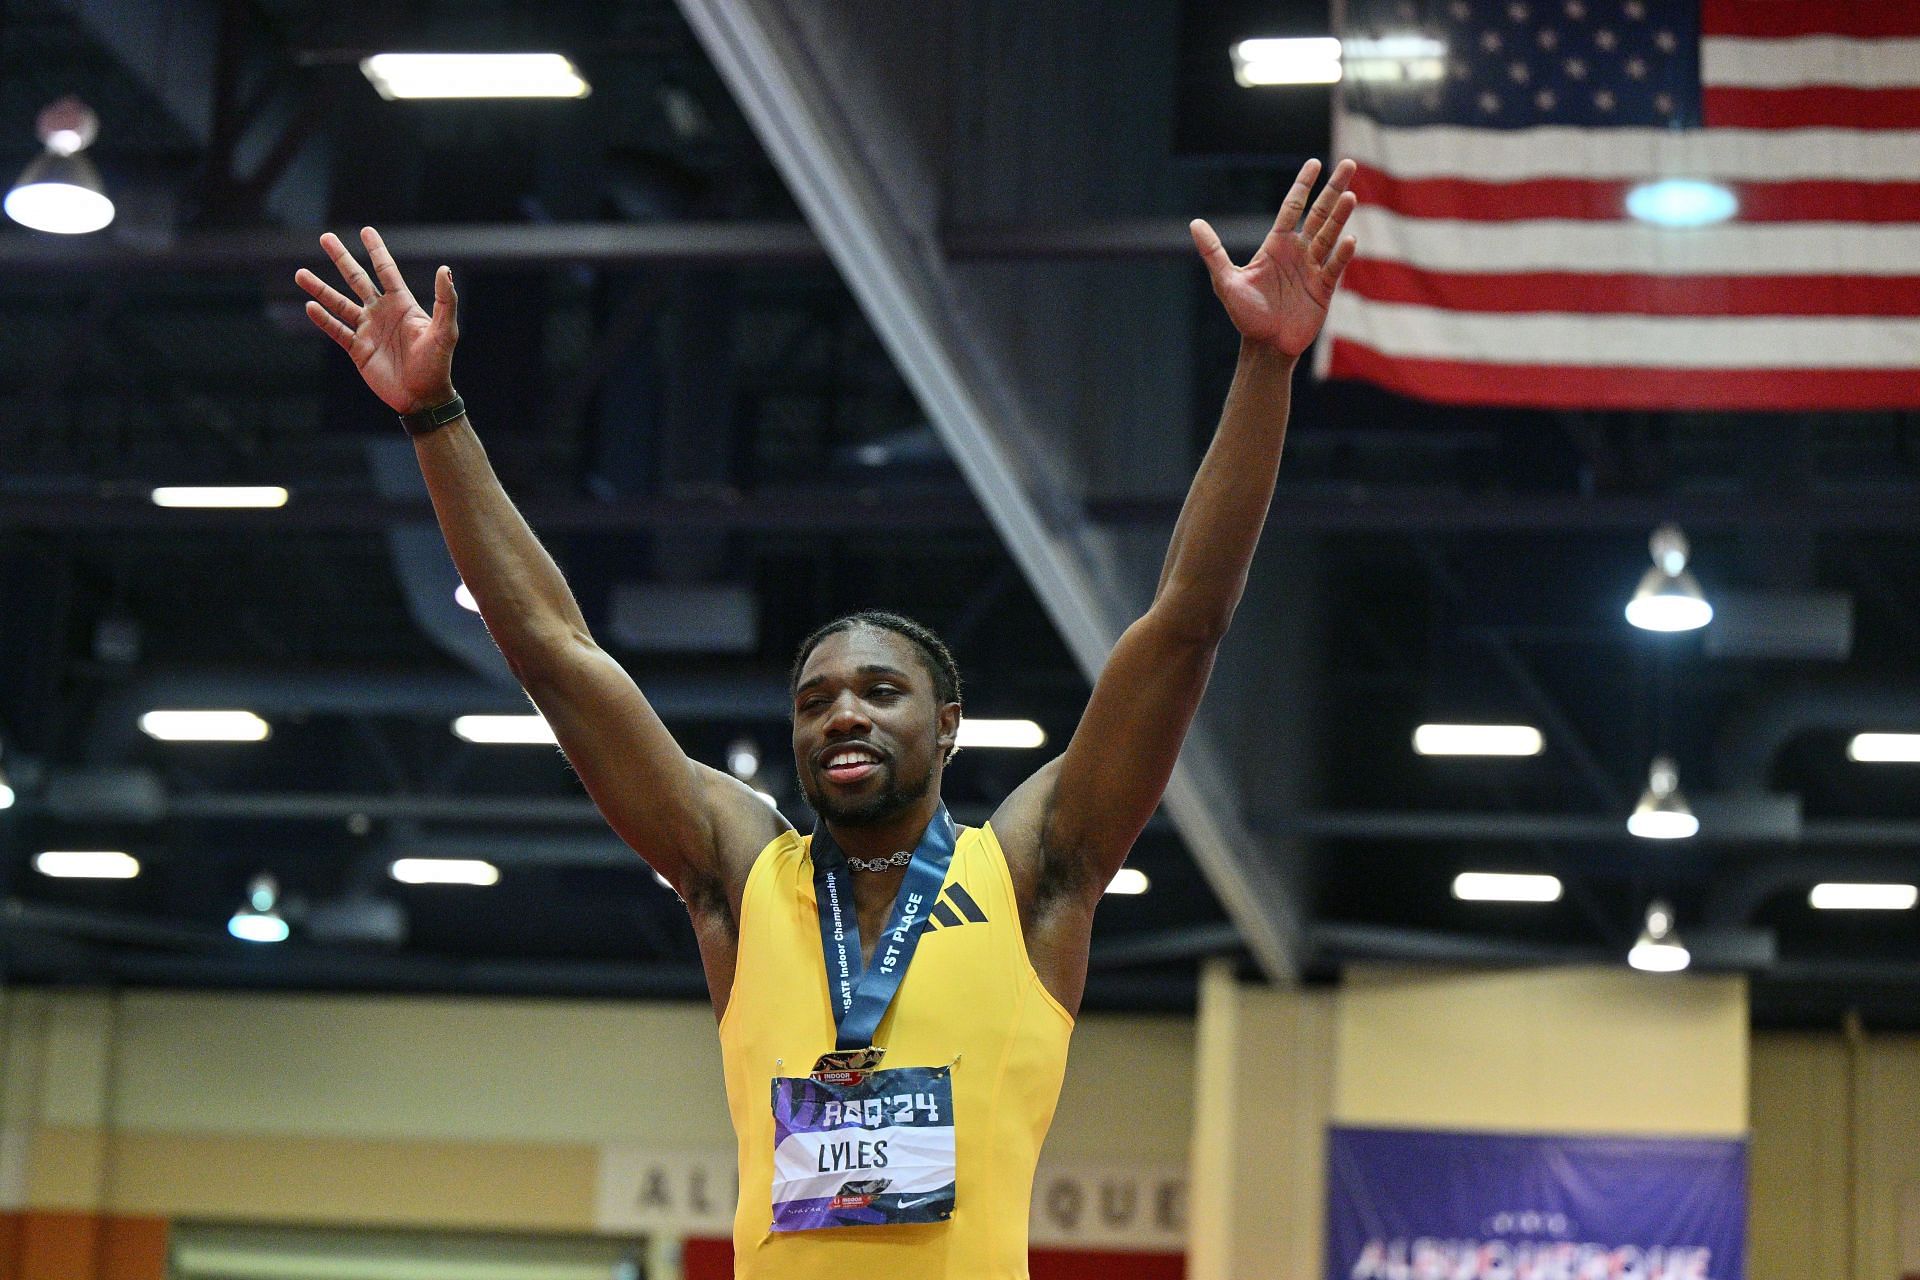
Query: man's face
(868, 732)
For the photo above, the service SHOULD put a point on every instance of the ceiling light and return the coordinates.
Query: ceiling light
(220, 495)
(1863, 897)
(743, 758)
(1000, 733)
(1682, 202)
(1663, 812)
(60, 190)
(505, 730)
(259, 918)
(1659, 949)
(6, 791)
(1394, 59)
(444, 871)
(86, 864)
(464, 598)
(474, 75)
(205, 726)
(1129, 881)
(1494, 886)
(1668, 597)
(1885, 748)
(1298, 60)
(1477, 740)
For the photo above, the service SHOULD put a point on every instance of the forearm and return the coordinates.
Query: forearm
(520, 591)
(1226, 507)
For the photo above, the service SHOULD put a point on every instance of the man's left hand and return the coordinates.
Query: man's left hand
(1279, 299)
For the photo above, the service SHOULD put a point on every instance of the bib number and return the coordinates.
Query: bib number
(874, 1150)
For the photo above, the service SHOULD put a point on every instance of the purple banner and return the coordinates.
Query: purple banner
(1413, 1205)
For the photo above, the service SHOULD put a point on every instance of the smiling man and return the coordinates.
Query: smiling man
(895, 993)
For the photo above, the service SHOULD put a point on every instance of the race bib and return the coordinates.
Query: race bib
(870, 1148)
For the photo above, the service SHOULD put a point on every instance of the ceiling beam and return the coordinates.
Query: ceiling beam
(805, 117)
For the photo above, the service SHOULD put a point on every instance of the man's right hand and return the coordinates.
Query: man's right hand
(405, 355)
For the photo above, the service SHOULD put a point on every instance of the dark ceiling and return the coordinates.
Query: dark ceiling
(675, 383)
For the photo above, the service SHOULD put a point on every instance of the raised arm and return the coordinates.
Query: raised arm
(1070, 827)
(693, 824)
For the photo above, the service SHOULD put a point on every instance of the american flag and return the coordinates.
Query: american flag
(1498, 263)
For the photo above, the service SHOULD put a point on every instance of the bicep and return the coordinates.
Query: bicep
(659, 800)
(1115, 769)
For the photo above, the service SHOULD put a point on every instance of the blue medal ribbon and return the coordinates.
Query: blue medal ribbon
(860, 999)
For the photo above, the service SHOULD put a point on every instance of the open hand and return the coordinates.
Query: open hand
(1280, 297)
(405, 355)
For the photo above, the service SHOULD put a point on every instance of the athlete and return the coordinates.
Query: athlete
(895, 994)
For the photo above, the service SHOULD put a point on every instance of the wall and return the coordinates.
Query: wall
(1835, 1185)
(119, 1113)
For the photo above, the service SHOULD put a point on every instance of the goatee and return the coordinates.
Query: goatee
(867, 811)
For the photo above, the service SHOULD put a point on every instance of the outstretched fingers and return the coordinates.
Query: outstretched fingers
(341, 307)
(445, 322)
(350, 270)
(1212, 252)
(1331, 197)
(1296, 202)
(384, 267)
(1337, 263)
(1328, 233)
(329, 325)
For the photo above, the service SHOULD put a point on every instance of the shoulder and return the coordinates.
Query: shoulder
(1041, 873)
(744, 826)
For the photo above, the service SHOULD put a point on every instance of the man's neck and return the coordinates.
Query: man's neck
(867, 841)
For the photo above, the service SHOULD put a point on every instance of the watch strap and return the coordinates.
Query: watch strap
(433, 418)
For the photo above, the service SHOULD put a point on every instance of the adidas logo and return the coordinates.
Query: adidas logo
(955, 908)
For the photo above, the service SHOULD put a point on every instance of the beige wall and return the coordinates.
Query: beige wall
(483, 1113)
(1836, 1155)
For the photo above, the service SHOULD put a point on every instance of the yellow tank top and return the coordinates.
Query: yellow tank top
(970, 994)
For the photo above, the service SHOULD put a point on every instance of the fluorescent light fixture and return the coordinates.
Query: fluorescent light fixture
(1296, 60)
(1128, 880)
(474, 75)
(205, 726)
(1863, 897)
(464, 598)
(6, 793)
(1885, 748)
(86, 864)
(1395, 59)
(743, 758)
(1495, 886)
(444, 871)
(505, 730)
(1659, 949)
(1000, 733)
(1477, 740)
(1682, 202)
(220, 496)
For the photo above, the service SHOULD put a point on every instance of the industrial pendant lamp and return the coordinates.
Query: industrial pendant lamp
(1659, 949)
(1663, 812)
(259, 918)
(60, 190)
(1668, 597)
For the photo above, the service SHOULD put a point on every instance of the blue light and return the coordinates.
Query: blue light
(1682, 202)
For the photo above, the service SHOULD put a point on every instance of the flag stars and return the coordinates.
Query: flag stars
(1545, 100)
(1637, 68)
(1665, 41)
(1518, 72)
(1461, 10)
(1459, 69)
(1635, 9)
(1606, 39)
(1489, 103)
(1491, 41)
(1605, 100)
(1576, 68)
(1518, 12)
(1576, 9)
(1663, 103)
(1548, 39)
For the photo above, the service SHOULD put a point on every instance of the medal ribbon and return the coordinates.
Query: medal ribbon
(860, 1000)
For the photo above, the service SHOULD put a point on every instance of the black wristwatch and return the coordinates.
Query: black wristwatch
(434, 418)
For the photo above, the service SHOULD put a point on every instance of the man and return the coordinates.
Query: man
(895, 995)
